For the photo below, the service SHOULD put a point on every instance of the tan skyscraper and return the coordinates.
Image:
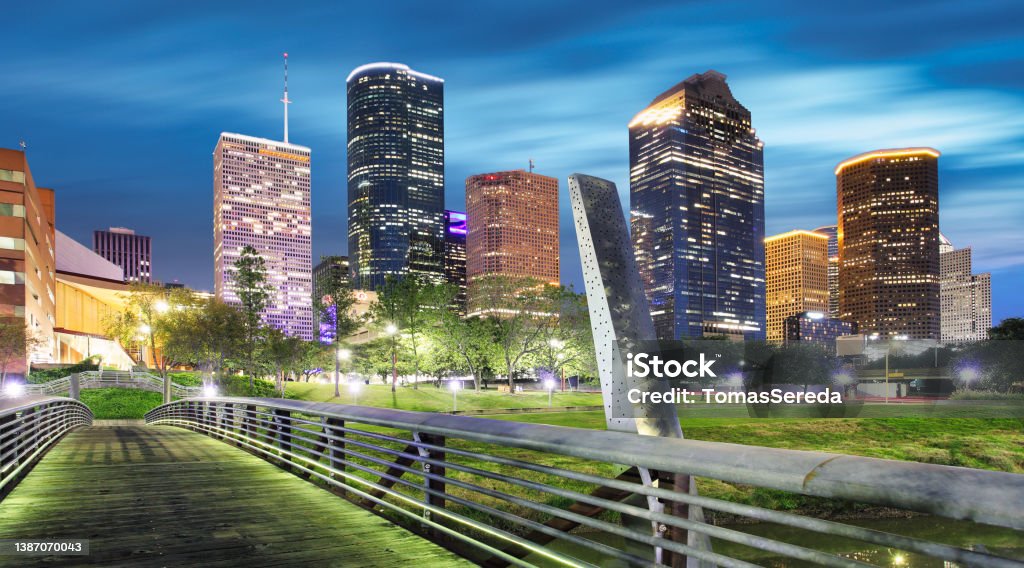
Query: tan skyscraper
(512, 220)
(966, 298)
(261, 198)
(888, 205)
(796, 277)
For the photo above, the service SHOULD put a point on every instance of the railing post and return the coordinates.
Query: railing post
(334, 428)
(437, 470)
(283, 427)
(75, 387)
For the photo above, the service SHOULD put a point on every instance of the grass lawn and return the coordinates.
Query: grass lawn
(428, 398)
(120, 403)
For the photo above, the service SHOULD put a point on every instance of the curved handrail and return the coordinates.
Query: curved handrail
(30, 425)
(112, 379)
(318, 439)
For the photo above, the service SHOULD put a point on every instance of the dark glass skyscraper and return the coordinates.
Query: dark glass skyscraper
(395, 174)
(455, 254)
(697, 211)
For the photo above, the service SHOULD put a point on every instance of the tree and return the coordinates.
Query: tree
(16, 342)
(207, 335)
(253, 291)
(148, 316)
(335, 309)
(314, 359)
(283, 353)
(467, 341)
(386, 315)
(522, 312)
(1009, 328)
(568, 345)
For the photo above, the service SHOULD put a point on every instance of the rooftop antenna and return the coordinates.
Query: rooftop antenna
(531, 165)
(285, 99)
(22, 144)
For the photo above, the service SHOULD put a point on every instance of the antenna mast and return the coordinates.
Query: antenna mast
(285, 100)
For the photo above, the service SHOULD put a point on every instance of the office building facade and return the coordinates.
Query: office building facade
(514, 227)
(832, 232)
(395, 174)
(133, 253)
(888, 208)
(796, 278)
(455, 233)
(966, 298)
(27, 258)
(261, 198)
(697, 211)
(330, 269)
(816, 328)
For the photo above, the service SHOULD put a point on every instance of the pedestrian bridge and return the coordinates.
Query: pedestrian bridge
(268, 482)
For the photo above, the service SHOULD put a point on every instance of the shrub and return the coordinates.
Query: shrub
(235, 385)
(186, 378)
(986, 395)
(46, 375)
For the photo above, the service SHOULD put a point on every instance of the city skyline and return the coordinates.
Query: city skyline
(501, 118)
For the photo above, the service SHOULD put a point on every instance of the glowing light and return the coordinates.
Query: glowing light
(161, 306)
(454, 385)
(899, 559)
(14, 389)
(894, 153)
(355, 386)
(145, 329)
(815, 315)
(549, 384)
(391, 329)
(210, 391)
(344, 355)
(793, 233)
(661, 115)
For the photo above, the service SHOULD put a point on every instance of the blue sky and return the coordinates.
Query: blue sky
(121, 103)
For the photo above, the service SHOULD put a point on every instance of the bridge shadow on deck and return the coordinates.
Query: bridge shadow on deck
(163, 496)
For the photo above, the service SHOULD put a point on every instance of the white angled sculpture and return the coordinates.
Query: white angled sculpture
(620, 319)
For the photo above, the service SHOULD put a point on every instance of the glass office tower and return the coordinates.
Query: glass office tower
(697, 211)
(395, 174)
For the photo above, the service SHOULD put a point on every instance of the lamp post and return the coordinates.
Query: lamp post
(354, 387)
(550, 385)
(556, 344)
(455, 385)
(392, 330)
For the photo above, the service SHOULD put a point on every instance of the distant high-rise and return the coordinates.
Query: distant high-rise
(514, 227)
(133, 253)
(796, 278)
(888, 204)
(966, 298)
(697, 211)
(261, 199)
(455, 255)
(27, 263)
(395, 174)
(329, 269)
(832, 232)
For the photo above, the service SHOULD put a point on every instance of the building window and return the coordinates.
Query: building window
(12, 209)
(12, 175)
(12, 243)
(11, 277)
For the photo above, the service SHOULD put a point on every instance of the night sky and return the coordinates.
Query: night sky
(121, 104)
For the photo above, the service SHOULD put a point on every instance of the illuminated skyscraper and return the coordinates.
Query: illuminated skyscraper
(796, 278)
(832, 232)
(261, 199)
(133, 253)
(697, 211)
(966, 298)
(513, 229)
(395, 174)
(455, 254)
(888, 203)
(328, 270)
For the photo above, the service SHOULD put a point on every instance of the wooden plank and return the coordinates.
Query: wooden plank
(165, 496)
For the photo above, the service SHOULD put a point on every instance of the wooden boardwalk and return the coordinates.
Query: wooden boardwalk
(163, 496)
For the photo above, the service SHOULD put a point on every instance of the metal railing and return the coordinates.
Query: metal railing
(29, 426)
(111, 379)
(506, 489)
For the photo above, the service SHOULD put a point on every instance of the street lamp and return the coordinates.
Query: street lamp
(556, 343)
(550, 385)
(14, 390)
(391, 329)
(455, 385)
(161, 306)
(210, 391)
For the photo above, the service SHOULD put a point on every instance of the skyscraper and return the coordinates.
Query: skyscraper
(796, 278)
(697, 211)
(888, 204)
(395, 174)
(832, 232)
(133, 253)
(966, 298)
(27, 263)
(261, 199)
(455, 255)
(514, 227)
(329, 269)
